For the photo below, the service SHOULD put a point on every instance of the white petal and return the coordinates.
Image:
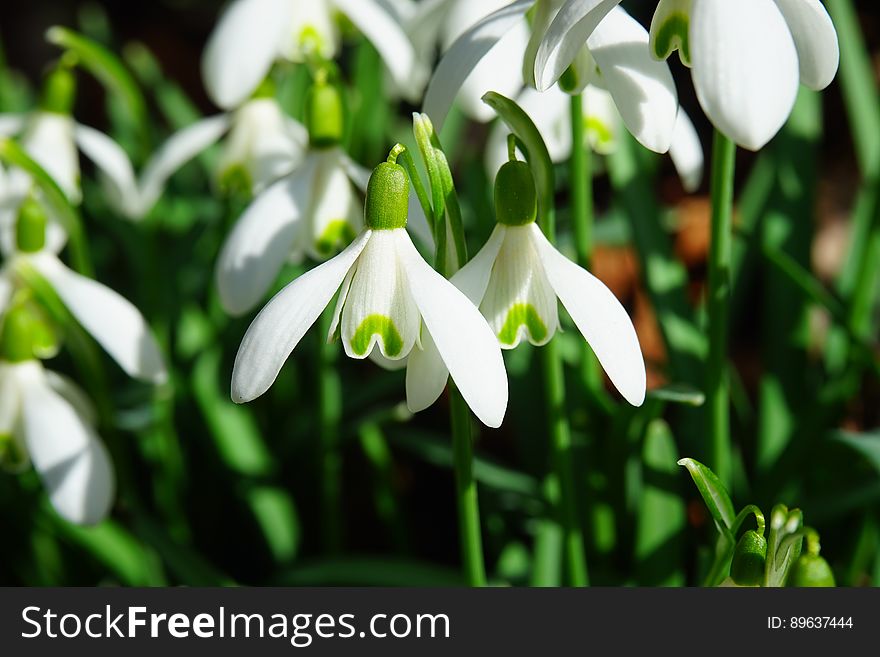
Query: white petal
(686, 152)
(49, 141)
(242, 47)
(473, 278)
(359, 175)
(417, 222)
(113, 162)
(70, 458)
(745, 68)
(261, 241)
(603, 120)
(379, 309)
(642, 87)
(284, 320)
(570, 29)
(426, 374)
(73, 395)
(335, 213)
(111, 319)
(390, 41)
(179, 149)
(815, 39)
(465, 342)
(386, 363)
(12, 124)
(463, 56)
(519, 302)
(600, 317)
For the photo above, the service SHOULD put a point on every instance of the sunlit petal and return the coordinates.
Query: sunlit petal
(815, 39)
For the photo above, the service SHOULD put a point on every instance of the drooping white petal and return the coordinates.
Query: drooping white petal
(284, 320)
(390, 40)
(394, 365)
(73, 395)
(12, 124)
(114, 164)
(815, 39)
(261, 241)
(464, 340)
(519, 302)
(599, 316)
(263, 143)
(111, 319)
(179, 149)
(48, 139)
(473, 278)
(358, 174)
(242, 47)
(69, 457)
(461, 58)
(642, 87)
(745, 67)
(569, 30)
(426, 374)
(379, 309)
(686, 152)
(335, 212)
(539, 22)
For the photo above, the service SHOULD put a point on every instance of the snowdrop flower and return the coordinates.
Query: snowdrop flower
(516, 279)
(46, 419)
(390, 301)
(252, 34)
(602, 122)
(112, 321)
(747, 58)
(602, 44)
(314, 211)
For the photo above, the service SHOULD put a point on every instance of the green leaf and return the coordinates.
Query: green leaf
(714, 494)
(865, 444)
(523, 127)
(679, 393)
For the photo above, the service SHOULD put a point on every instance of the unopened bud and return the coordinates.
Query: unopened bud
(30, 228)
(59, 91)
(811, 570)
(324, 115)
(747, 568)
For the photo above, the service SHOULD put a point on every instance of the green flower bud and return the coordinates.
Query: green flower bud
(324, 115)
(59, 91)
(16, 336)
(387, 197)
(30, 229)
(747, 568)
(516, 198)
(811, 570)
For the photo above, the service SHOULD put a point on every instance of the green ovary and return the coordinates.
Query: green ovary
(337, 233)
(383, 327)
(671, 35)
(522, 314)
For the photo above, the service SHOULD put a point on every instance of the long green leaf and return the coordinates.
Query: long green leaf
(714, 493)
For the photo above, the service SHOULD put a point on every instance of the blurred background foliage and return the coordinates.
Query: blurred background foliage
(214, 493)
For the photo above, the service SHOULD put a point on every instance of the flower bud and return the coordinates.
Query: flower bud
(387, 200)
(30, 229)
(324, 115)
(516, 198)
(16, 341)
(811, 570)
(747, 568)
(59, 91)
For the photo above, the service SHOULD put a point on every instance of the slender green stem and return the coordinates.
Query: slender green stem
(717, 393)
(329, 412)
(466, 491)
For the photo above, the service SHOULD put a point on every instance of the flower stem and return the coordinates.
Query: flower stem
(466, 491)
(329, 412)
(717, 393)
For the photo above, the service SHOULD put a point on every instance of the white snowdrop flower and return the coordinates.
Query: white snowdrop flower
(252, 34)
(516, 279)
(602, 124)
(112, 320)
(603, 45)
(45, 420)
(747, 58)
(391, 302)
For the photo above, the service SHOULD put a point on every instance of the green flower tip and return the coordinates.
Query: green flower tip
(516, 198)
(59, 91)
(387, 197)
(30, 229)
(324, 114)
(747, 567)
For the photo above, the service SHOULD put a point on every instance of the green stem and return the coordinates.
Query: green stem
(717, 393)
(329, 413)
(466, 491)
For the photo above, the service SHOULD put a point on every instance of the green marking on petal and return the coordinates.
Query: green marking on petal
(336, 235)
(310, 40)
(383, 327)
(522, 314)
(673, 35)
